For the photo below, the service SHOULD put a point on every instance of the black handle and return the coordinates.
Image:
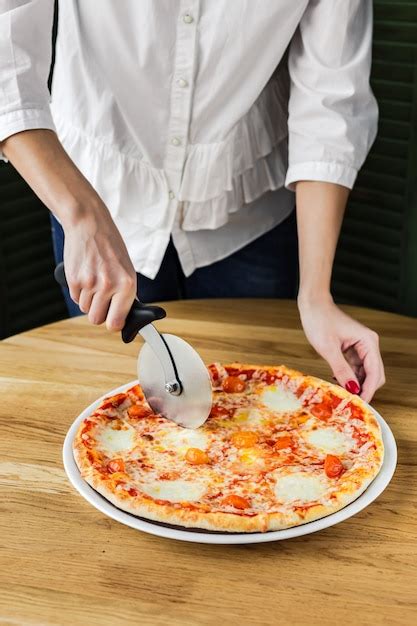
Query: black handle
(139, 315)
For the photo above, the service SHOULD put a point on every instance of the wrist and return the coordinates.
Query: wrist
(80, 210)
(318, 297)
(42, 161)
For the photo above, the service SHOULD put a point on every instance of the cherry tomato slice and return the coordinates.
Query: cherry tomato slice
(234, 384)
(220, 411)
(244, 439)
(333, 466)
(236, 502)
(283, 442)
(195, 456)
(114, 401)
(138, 411)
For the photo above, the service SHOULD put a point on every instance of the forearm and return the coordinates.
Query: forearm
(350, 348)
(98, 269)
(320, 209)
(42, 161)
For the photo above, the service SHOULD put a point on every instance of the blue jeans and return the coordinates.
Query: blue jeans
(265, 268)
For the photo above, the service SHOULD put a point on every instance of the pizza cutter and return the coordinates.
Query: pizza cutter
(174, 379)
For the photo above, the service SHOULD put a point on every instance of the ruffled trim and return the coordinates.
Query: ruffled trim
(218, 178)
(131, 188)
(267, 174)
(210, 169)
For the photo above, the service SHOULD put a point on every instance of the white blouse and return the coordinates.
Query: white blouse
(180, 112)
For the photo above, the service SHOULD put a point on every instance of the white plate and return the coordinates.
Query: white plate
(99, 502)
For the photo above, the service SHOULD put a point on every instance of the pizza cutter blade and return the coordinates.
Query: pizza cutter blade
(174, 379)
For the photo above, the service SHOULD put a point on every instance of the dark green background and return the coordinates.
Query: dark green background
(376, 261)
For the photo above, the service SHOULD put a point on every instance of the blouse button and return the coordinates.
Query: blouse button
(188, 19)
(181, 82)
(176, 141)
(171, 195)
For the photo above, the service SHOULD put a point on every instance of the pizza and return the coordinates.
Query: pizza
(279, 449)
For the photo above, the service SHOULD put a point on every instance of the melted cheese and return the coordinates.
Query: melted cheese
(117, 440)
(174, 490)
(279, 399)
(251, 456)
(181, 439)
(250, 417)
(299, 487)
(330, 440)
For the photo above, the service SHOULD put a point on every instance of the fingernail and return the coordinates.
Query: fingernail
(352, 386)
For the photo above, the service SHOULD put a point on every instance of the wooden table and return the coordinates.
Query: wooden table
(64, 563)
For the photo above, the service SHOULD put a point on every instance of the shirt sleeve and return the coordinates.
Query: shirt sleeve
(25, 59)
(333, 114)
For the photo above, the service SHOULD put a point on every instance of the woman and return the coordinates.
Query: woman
(176, 137)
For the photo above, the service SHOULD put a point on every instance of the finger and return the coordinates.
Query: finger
(73, 283)
(374, 373)
(360, 375)
(85, 299)
(355, 362)
(342, 371)
(74, 291)
(99, 307)
(118, 310)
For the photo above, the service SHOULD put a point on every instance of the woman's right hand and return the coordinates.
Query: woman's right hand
(99, 272)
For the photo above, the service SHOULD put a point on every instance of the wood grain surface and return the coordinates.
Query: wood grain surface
(64, 563)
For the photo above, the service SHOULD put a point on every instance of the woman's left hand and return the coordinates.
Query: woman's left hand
(351, 349)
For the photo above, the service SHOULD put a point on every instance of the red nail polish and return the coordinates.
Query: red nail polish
(352, 386)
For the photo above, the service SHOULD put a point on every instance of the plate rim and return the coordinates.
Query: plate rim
(373, 491)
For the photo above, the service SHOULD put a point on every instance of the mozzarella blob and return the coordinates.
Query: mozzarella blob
(329, 440)
(117, 440)
(181, 439)
(174, 490)
(279, 399)
(299, 487)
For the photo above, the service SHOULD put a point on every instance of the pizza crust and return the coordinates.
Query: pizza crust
(217, 521)
(189, 515)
